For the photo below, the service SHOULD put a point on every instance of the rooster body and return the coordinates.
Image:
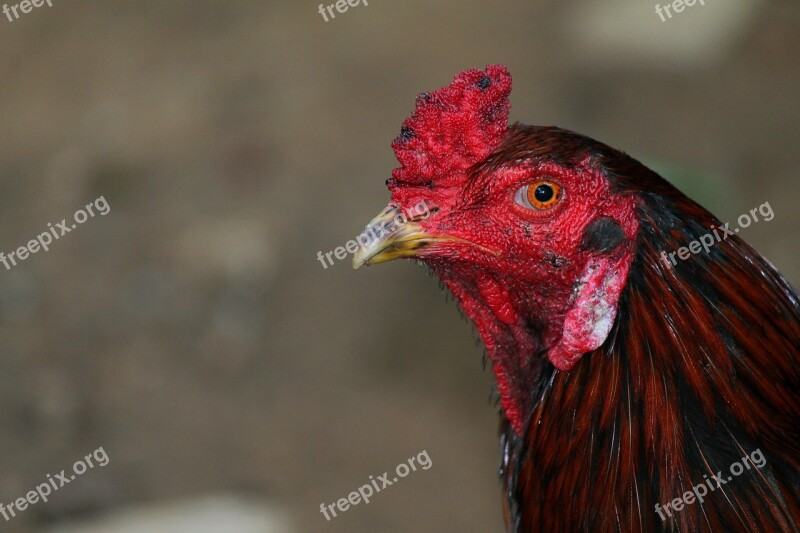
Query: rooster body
(626, 382)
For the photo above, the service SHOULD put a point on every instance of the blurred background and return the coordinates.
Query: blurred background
(191, 332)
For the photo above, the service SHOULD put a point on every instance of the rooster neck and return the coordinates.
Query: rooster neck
(529, 327)
(515, 336)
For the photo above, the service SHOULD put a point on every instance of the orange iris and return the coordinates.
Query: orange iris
(544, 194)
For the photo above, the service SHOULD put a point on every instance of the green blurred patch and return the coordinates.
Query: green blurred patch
(707, 189)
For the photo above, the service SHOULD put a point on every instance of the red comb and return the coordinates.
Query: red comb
(453, 128)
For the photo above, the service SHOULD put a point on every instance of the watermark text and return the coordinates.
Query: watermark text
(699, 491)
(44, 239)
(99, 457)
(375, 485)
(719, 234)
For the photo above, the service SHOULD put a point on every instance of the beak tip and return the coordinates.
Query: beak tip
(360, 260)
(389, 239)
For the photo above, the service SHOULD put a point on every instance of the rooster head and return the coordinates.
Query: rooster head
(523, 225)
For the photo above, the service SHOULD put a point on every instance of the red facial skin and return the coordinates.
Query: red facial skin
(516, 280)
(516, 275)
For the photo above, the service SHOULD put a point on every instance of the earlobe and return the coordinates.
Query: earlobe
(593, 310)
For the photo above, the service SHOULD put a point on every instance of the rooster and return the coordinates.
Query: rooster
(626, 382)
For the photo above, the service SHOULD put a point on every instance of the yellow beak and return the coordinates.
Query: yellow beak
(391, 236)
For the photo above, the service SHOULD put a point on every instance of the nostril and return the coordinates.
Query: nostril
(424, 215)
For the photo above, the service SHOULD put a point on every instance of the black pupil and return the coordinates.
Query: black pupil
(544, 193)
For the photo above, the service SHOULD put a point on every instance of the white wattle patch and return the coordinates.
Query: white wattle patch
(603, 323)
(594, 308)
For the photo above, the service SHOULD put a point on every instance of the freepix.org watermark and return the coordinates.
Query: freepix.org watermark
(99, 457)
(699, 491)
(418, 212)
(665, 11)
(24, 7)
(43, 240)
(341, 6)
(365, 491)
(705, 242)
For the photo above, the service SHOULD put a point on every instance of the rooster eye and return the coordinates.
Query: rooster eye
(540, 195)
